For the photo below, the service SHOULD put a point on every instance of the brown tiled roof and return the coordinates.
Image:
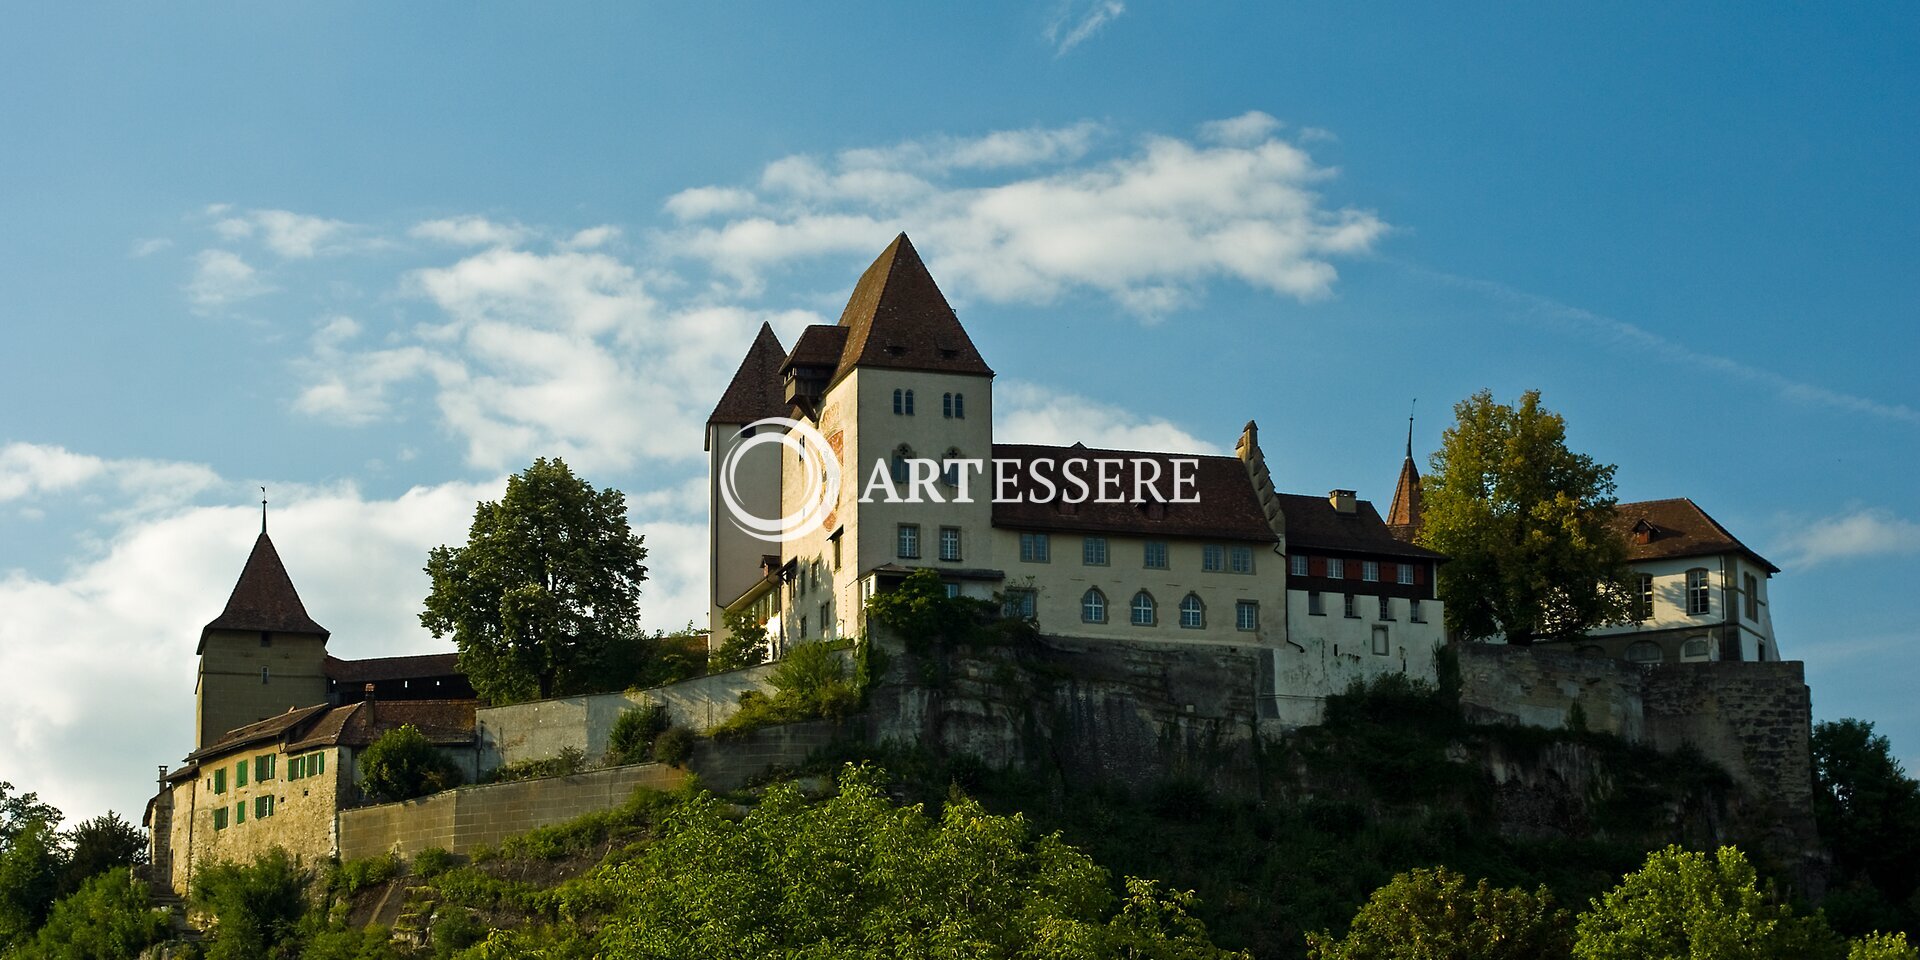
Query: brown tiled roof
(444, 722)
(264, 598)
(898, 318)
(392, 668)
(1314, 524)
(1228, 508)
(755, 389)
(1403, 516)
(272, 728)
(1677, 528)
(820, 345)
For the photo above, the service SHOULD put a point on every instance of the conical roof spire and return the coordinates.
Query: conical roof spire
(1403, 517)
(897, 317)
(263, 599)
(755, 390)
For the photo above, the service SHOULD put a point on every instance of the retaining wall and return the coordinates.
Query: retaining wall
(542, 728)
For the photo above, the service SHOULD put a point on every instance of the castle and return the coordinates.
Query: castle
(1313, 592)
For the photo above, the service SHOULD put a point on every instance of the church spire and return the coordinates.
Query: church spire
(1403, 518)
(263, 599)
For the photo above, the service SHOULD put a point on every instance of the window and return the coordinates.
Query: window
(1386, 609)
(1297, 564)
(263, 674)
(220, 818)
(946, 405)
(1752, 596)
(949, 543)
(836, 553)
(1352, 610)
(1381, 646)
(1403, 574)
(1316, 604)
(1694, 649)
(950, 467)
(1645, 651)
(1093, 551)
(826, 617)
(1093, 606)
(900, 468)
(266, 639)
(1370, 571)
(1699, 601)
(1336, 568)
(240, 813)
(953, 589)
(262, 807)
(909, 542)
(220, 780)
(1020, 603)
(803, 626)
(909, 403)
(1643, 597)
(263, 768)
(959, 406)
(1413, 611)
(296, 767)
(1193, 613)
(1143, 609)
(899, 404)
(1035, 548)
(1212, 558)
(1246, 615)
(316, 763)
(1240, 559)
(1155, 555)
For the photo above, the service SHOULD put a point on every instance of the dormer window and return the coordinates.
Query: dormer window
(896, 350)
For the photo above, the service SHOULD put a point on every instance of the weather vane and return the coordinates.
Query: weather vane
(263, 510)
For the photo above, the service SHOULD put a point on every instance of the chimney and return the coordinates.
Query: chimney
(1344, 501)
(163, 777)
(1249, 443)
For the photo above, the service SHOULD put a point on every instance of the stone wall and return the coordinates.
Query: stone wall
(542, 728)
(459, 820)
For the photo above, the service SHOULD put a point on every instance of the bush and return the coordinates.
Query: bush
(569, 761)
(257, 907)
(432, 862)
(810, 683)
(674, 746)
(1684, 904)
(403, 764)
(1435, 915)
(109, 918)
(1882, 946)
(354, 876)
(633, 733)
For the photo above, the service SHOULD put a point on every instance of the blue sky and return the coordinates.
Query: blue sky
(375, 258)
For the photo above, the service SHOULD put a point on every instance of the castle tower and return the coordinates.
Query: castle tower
(735, 558)
(262, 655)
(1403, 517)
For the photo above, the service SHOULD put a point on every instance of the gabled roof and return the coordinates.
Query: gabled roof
(898, 318)
(1227, 508)
(820, 345)
(755, 390)
(1313, 523)
(422, 666)
(443, 722)
(1676, 528)
(264, 599)
(260, 731)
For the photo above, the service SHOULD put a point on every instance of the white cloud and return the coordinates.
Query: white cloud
(148, 246)
(27, 469)
(1861, 533)
(702, 202)
(592, 237)
(1148, 229)
(1074, 23)
(1030, 413)
(35, 471)
(468, 232)
(294, 236)
(222, 277)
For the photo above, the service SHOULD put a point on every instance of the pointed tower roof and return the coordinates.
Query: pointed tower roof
(755, 390)
(898, 318)
(1403, 517)
(263, 599)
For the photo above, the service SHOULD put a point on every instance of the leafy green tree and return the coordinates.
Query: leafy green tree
(1528, 525)
(745, 646)
(1694, 905)
(919, 611)
(257, 907)
(20, 811)
(30, 866)
(855, 877)
(101, 844)
(1435, 915)
(1882, 946)
(546, 586)
(403, 764)
(110, 917)
(1868, 811)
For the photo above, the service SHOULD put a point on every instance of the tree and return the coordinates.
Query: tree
(20, 811)
(1528, 525)
(257, 907)
(403, 764)
(99, 845)
(30, 865)
(745, 646)
(1868, 811)
(110, 917)
(1683, 904)
(1435, 915)
(548, 583)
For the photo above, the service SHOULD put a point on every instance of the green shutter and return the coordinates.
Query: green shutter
(320, 763)
(220, 818)
(240, 774)
(220, 780)
(240, 812)
(295, 768)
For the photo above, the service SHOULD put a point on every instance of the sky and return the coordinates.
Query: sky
(377, 257)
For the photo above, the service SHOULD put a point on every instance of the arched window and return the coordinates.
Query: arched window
(1645, 651)
(959, 406)
(1694, 649)
(1193, 613)
(899, 405)
(950, 467)
(946, 405)
(901, 454)
(909, 403)
(1143, 609)
(1093, 606)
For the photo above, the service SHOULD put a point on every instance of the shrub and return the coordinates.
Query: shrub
(257, 907)
(1684, 904)
(633, 733)
(674, 746)
(810, 683)
(1435, 915)
(109, 918)
(1882, 946)
(432, 862)
(569, 761)
(403, 764)
(354, 876)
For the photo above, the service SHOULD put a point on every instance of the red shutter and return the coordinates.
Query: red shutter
(1353, 568)
(1420, 573)
(1316, 566)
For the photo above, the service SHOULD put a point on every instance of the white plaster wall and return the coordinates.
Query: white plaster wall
(1063, 580)
(1325, 654)
(734, 562)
